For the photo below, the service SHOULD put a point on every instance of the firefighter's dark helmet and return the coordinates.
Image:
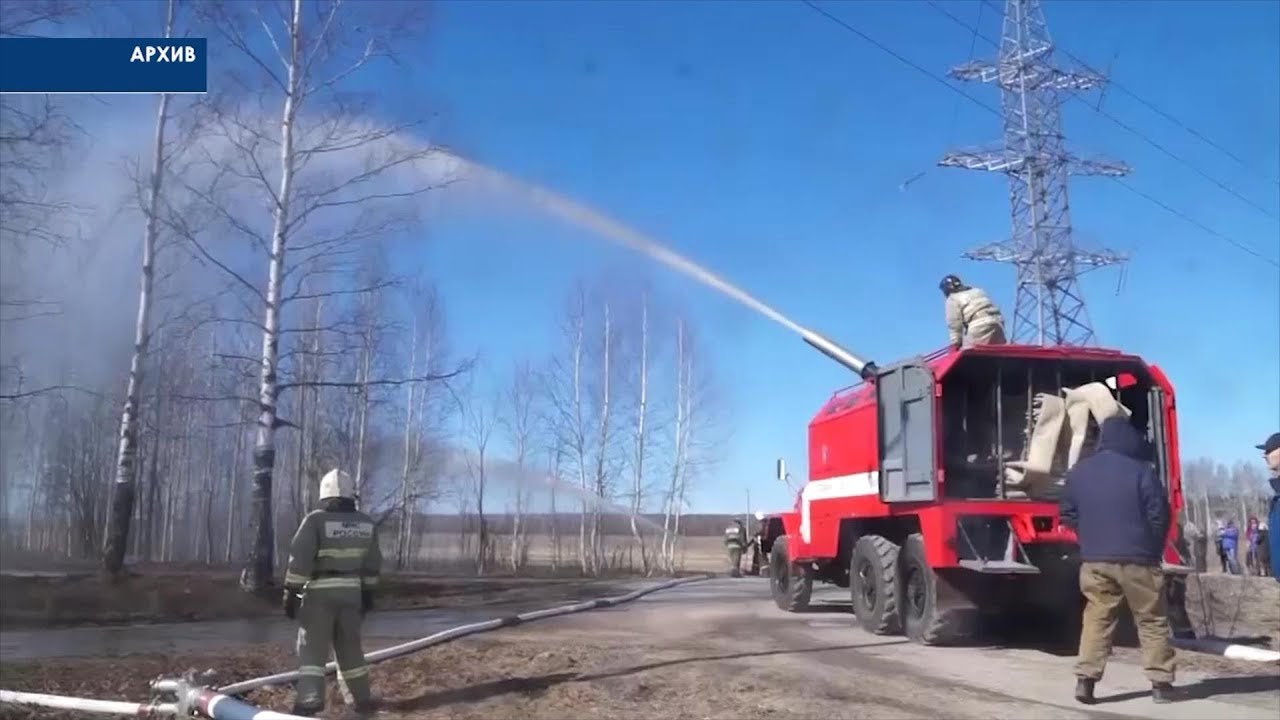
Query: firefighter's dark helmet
(950, 284)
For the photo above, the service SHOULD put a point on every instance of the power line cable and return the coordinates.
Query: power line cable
(942, 81)
(973, 47)
(1165, 114)
(1127, 127)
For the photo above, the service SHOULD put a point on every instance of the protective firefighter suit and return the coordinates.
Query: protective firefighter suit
(735, 541)
(973, 319)
(334, 566)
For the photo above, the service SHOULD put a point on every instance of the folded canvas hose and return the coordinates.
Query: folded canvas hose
(1034, 476)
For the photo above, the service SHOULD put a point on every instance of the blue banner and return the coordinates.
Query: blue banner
(103, 65)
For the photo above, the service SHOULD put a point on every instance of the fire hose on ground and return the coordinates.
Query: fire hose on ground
(191, 694)
(1210, 644)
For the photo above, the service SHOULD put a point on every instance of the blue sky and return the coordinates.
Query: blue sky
(768, 143)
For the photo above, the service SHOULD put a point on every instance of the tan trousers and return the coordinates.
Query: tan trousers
(1107, 586)
(990, 334)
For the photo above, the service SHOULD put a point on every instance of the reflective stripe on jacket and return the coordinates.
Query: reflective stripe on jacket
(334, 551)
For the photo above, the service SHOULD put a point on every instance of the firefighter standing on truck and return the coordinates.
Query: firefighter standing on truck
(972, 317)
(334, 565)
(735, 540)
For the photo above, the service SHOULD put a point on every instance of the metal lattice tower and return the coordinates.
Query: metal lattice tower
(1049, 307)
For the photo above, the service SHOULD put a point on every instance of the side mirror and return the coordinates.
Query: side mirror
(782, 469)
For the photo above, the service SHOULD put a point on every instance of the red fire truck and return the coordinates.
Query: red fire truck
(907, 503)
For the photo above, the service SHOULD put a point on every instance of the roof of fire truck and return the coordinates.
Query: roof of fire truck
(941, 361)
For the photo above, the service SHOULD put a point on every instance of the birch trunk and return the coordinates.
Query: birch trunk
(686, 403)
(311, 477)
(233, 493)
(637, 484)
(299, 470)
(602, 449)
(402, 545)
(362, 420)
(123, 489)
(671, 513)
(554, 468)
(259, 571)
(580, 443)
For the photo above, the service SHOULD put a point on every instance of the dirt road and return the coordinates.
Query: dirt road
(708, 650)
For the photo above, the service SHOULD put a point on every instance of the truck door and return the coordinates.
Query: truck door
(1158, 435)
(906, 443)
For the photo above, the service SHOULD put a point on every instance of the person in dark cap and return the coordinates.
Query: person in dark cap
(1117, 507)
(1271, 453)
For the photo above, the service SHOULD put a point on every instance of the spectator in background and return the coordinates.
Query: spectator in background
(1251, 547)
(1199, 546)
(1230, 535)
(1264, 549)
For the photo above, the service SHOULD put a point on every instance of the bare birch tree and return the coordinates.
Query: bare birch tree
(640, 431)
(426, 410)
(567, 389)
(680, 447)
(329, 184)
(554, 455)
(518, 422)
(603, 461)
(477, 419)
(123, 489)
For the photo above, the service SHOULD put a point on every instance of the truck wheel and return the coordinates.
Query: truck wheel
(923, 621)
(791, 584)
(873, 584)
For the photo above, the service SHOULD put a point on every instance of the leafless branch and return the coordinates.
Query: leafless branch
(430, 377)
(49, 389)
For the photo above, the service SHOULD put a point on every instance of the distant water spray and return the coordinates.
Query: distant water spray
(600, 224)
(596, 501)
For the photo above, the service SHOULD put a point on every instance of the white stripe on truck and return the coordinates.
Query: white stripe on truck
(843, 486)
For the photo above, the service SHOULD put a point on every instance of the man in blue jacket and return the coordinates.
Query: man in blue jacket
(1120, 512)
(1271, 453)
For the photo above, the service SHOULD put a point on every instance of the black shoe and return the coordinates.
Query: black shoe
(1161, 693)
(305, 711)
(1084, 690)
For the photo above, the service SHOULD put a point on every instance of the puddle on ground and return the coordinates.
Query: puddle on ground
(381, 629)
(174, 638)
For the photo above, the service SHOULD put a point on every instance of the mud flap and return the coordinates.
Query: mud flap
(958, 616)
(1175, 590)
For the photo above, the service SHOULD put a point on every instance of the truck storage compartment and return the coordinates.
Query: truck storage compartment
(1012, 426)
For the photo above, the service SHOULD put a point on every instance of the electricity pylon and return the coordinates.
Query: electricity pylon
(1049, 307)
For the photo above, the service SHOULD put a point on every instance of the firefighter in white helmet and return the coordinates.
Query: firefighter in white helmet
(972, 317)
(334, 566)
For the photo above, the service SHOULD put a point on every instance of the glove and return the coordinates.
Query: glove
(291, 599)
(366, 601)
